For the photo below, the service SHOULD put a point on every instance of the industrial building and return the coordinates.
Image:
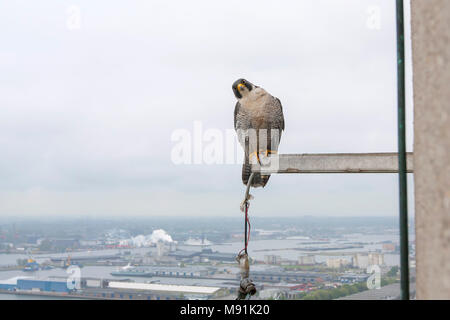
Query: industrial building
(34, 285)
(10, 284)
(125, 290)
(62, 244)
(205, 254)
(109, 289)
(364, 260)
(167, 290)
(353, 278)
(85, 259)
(295, 277)
(308, 260)
(337, 263)
(272, 259)
(42, 285)
(217, 256)
(182, 255)
(182, 272)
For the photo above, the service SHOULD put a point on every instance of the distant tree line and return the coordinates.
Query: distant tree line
(348, 289)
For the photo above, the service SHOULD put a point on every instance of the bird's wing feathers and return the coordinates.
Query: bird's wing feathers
(279, 118)
(241, 123)
(236, 111)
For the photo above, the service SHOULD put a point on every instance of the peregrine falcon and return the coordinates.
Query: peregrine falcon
(259, 116)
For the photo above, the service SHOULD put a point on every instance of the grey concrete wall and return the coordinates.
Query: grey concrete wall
(431, 57)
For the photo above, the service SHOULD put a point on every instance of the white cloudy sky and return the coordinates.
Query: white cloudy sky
(86, 115)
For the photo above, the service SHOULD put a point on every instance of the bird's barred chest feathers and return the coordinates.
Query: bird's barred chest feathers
(254, 105)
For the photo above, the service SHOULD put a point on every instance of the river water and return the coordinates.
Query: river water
(286, 248)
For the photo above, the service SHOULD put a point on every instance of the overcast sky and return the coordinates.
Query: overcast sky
(88, 105)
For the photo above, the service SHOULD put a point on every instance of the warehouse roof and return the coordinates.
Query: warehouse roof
(389, 292)
(163, 287)
(13, 280)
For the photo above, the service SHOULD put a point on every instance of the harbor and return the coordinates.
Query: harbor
(117, 264)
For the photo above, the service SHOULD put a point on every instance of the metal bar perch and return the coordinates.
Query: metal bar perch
(333, 163)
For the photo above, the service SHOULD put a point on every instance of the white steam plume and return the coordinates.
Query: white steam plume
(148, 240)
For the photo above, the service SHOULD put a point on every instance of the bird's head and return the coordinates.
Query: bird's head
(242, 87)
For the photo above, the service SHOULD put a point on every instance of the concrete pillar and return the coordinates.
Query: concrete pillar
(431, 57)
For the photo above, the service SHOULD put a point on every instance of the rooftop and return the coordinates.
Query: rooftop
(389, 292)
(163, 287)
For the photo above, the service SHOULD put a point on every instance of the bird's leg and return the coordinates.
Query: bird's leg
(272, 145)
(257, 147)
(268, 148)
(257, 157)
(247, 196)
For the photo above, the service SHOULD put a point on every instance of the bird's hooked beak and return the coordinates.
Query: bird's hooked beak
(241, 87)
